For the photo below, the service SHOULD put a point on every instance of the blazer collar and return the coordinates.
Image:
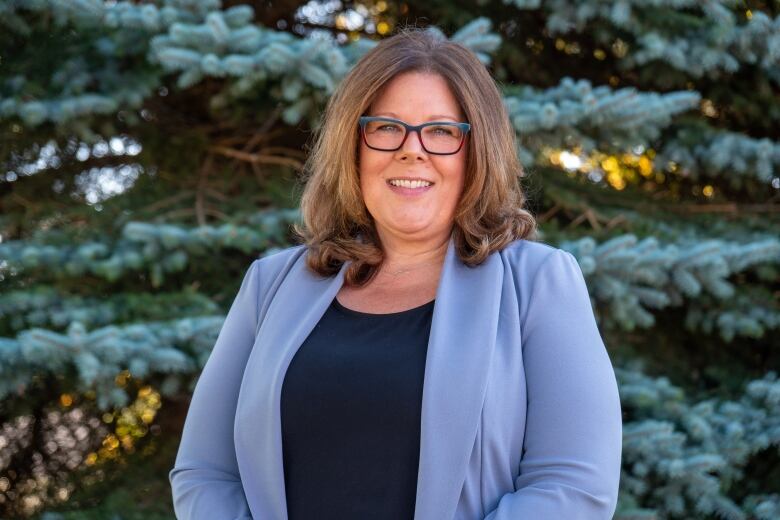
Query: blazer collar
(460, 347)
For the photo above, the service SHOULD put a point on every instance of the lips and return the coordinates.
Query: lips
(409, 190)
(409, 179)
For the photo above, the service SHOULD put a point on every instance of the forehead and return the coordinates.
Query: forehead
(417, 95)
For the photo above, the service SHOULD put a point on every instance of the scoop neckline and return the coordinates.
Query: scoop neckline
(347, 310)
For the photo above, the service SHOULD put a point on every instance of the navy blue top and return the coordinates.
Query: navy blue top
(350, 413)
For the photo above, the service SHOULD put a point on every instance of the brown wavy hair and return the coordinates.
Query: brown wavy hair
(336, 225)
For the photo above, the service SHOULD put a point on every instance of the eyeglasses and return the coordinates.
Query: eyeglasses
(437, 137)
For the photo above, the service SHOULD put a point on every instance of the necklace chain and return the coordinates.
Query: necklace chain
(407, 269)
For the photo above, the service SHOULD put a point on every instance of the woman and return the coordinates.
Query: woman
(417, 356)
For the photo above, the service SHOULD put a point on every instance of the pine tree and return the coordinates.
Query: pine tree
(150, 150)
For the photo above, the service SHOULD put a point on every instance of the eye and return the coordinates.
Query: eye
(389, 126)
(442, 130)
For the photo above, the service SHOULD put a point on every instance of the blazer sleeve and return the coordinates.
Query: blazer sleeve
(570, 467)
(205, 481)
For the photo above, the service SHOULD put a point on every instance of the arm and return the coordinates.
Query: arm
(570, 466)
(204, 480)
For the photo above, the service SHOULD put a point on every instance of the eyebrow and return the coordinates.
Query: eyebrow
(435, 116)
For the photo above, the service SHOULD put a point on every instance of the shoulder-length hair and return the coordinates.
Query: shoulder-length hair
(336, 225)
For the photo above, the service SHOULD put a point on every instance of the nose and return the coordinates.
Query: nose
(411, 147)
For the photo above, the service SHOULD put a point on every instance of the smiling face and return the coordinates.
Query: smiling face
(413, 213)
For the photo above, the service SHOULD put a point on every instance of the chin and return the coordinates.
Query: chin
(412, 229)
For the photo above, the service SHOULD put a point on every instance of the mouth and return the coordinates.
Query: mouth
(410, 183)
(409, 187)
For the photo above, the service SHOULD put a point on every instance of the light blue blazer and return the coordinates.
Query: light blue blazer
(521, 416)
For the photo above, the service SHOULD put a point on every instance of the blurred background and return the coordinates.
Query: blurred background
(150, 150)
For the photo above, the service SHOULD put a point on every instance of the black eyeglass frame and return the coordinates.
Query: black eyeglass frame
(465, 127)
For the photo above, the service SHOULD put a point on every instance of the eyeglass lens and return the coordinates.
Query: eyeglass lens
(386, 135)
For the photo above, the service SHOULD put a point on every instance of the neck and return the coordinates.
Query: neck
(402, 256)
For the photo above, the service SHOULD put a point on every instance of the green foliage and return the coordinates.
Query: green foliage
(150, 150)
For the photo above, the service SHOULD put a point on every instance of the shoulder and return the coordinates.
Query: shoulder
(540, 270)
(276, 258)
(546, 278)
(265, 274)
(527, 258)
(271, 265)
(275, 263)
(523, 246)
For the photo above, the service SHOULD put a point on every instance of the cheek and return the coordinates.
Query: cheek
(370, 167)
(455, 191)
(455, 178)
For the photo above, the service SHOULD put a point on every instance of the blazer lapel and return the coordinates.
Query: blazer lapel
(299, 303)
(463, 333)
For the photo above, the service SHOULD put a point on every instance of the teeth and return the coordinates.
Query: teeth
(410, 184)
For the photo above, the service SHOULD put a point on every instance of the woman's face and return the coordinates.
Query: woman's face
(413, 214)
